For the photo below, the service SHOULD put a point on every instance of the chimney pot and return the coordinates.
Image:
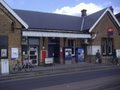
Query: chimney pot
(111, 8)
(83, 12)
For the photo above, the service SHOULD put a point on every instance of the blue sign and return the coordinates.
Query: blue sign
(80, 54)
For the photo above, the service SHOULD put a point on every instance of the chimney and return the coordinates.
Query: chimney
(111, 8)
(83, 12)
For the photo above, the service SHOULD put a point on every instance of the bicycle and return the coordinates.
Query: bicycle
(27, 66)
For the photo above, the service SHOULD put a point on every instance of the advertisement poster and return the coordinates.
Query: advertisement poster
(68, 54)
(14, 53)
(3, 52)
(80, 54)
(118, 53)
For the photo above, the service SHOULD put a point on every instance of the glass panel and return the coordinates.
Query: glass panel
(107, 46)
(110, 44)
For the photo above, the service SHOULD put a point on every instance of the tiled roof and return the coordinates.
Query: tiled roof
(49, 21)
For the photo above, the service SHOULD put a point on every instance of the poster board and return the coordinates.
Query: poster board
(91, 50)
(14, 53)
(80, 54)
(3, 52)
(68, 53)
(118, 53)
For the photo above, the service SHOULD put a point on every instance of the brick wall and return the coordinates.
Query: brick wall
(101, 31)
(13, 31)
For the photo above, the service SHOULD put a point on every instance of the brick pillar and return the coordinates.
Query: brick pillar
(61, 51)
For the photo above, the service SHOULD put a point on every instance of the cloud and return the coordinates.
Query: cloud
(112, 3)
(76, 10)
(116, 10)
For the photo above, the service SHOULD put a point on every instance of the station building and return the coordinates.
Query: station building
(38, 36)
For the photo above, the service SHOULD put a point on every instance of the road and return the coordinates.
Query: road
(94, 80)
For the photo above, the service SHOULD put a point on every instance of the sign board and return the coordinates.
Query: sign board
(110, 31)
(68, 53)
(48, 60)
(3, 52)
(80, 54)
(14, 53)
(91, 50)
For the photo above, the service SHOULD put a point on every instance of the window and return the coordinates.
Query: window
(13, 26)
(107, 46)
(24, 40)
(3, 47)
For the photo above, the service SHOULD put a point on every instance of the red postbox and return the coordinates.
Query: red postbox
(44, 55)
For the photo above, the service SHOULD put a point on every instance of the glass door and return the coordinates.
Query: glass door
(33, 54)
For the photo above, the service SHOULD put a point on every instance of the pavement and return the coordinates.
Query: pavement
(57, 69)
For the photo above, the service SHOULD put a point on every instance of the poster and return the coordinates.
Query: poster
(3, 52)
(14, 53)
(89, 50)
(80, 54)
(118, 53)
(68, 53)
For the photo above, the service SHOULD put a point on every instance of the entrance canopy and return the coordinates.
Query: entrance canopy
(54, 34)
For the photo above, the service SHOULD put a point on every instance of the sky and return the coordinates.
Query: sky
(67, 7)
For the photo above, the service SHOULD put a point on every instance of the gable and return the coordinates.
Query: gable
(112, 16)
(90, 20)
(104, 24)
(13, 13)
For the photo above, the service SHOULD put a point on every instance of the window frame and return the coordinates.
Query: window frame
(107, 46)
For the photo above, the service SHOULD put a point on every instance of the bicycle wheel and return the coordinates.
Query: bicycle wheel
(16, 68)
(28, 68)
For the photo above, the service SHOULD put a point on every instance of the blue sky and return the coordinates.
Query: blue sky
(69, 7)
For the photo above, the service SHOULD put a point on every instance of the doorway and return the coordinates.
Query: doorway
(54, 49)
(33, 54)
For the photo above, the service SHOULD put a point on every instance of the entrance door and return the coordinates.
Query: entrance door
(33, 54)
(54, 49)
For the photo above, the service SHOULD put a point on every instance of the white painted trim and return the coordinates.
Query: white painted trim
(54, 34)
(14, 14)
(114, 17)
(102, 17)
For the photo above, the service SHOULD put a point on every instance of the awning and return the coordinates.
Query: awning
(54, 34)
